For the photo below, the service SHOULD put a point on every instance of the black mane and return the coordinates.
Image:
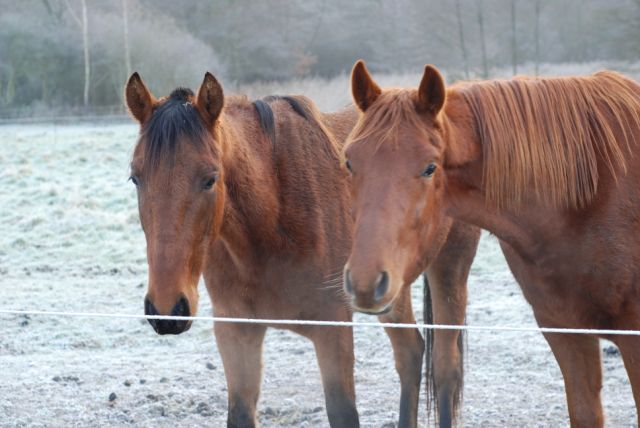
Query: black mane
(181, 94)
(175, 119)
(267, 119)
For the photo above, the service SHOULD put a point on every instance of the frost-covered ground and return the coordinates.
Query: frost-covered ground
(70, 241)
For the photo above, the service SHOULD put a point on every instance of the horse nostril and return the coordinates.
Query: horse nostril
(181, 309)
(149, 309)
(169, 326)
(348, 285)
(382, 285)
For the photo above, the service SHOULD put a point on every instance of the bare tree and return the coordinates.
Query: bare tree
(582, 45)
(125, 28)
(87, 60)
(514, 42)
(465, 58)
(483, 44)
(84, 25)
(537, 36)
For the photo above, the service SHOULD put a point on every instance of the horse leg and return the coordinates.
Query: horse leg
(579, 359)
(241, 351)
(630, 349)
(408, 348)
(448, 299)
(446, 303)
(334, 350)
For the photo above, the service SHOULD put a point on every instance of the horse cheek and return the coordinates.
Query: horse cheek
(218, 213)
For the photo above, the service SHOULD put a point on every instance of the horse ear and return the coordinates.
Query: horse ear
(364, 90)
(139, 99)
(432, 92)
(210, 99)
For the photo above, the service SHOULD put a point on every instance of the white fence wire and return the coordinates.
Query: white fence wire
(282, 322)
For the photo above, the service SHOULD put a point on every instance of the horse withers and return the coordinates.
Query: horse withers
(548, 165)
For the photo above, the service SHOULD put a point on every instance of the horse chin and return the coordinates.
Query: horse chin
(374, 311)
(187, 327)
(173, 328)
(384, 310)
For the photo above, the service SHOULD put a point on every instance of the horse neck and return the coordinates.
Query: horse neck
(281, 213)
(465, 193)
(341, 123)
(251, 204)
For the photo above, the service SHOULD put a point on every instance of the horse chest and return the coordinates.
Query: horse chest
(270, 292)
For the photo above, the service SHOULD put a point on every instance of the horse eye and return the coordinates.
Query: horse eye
(428, 172)
(134, 180)
(347, 164)
(209, 183)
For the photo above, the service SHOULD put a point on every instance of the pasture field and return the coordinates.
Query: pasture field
(70, 240)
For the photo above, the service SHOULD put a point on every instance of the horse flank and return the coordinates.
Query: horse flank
(549, 133)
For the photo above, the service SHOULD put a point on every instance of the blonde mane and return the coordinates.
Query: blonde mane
(546, 135)
(394, 110)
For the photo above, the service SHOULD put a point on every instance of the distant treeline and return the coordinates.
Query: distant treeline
(78, 53)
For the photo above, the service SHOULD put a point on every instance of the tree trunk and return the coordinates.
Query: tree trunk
(465, 58)
(11, 87)
(582, 47)
(537, 36)
(514, 44)
(87, 60)
(127, 53)
(483, 45)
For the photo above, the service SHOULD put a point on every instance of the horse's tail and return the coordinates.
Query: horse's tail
(429, 377)
(458, 396)
(430, 380)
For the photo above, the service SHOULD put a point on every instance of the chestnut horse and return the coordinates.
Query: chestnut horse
(548, 165)
(252, 196)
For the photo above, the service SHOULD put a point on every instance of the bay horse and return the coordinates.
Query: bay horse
(548, 165)
(252, 196)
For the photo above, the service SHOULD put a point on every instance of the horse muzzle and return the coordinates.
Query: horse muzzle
(368, 297)
(166, 326)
